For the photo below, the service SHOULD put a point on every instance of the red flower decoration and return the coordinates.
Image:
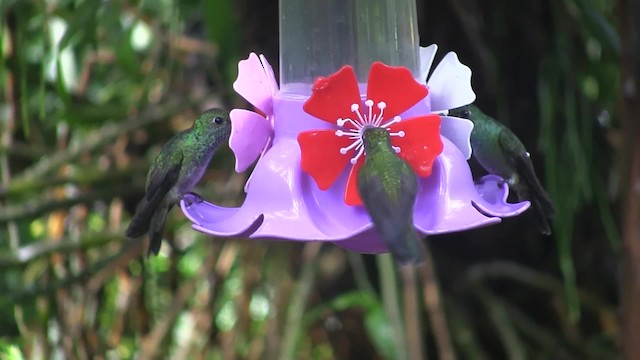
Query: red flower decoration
(336, 100)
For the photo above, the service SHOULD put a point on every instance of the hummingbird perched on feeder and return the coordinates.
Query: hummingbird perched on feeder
(499, 151)
(175, 171)
(388, 188)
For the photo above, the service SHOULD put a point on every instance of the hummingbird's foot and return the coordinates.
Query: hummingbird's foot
(191, 198)
(510, 182)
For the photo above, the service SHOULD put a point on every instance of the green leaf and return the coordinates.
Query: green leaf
(82, 24)
(61, 85)
(375, 319)
(379, 331)
(127, 56)
(10, 352)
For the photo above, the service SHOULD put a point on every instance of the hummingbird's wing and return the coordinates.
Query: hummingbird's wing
(390, 205)
(528, 186)
(540, 201)
(161, 181)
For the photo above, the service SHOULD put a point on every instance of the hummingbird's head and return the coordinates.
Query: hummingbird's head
(464, 112)
(214, 123)
(374, 137)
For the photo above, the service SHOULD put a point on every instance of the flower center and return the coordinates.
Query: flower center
(363, 120)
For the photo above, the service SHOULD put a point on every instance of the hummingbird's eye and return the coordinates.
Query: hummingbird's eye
(218, 120)
(466, 114)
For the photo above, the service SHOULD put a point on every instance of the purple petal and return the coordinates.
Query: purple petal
(255, 83)
(215, 220)
(458, 131)
(250, 134)
(271, 76)
(494, 193)
(445, 199)
(367, 242)
(450, 84)
(427, 54)
(276, 191)
(266, 147)
(273, 207)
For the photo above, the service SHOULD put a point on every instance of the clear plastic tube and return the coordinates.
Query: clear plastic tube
(318, 37)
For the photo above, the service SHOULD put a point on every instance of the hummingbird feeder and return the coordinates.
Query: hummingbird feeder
(345, 65)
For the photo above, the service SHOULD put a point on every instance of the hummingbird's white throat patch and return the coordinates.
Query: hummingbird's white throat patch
(363, 121)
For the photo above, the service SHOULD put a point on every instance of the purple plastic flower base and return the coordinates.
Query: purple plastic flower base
(283, 202)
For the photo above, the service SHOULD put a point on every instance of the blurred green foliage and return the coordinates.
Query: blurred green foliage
(91, 90)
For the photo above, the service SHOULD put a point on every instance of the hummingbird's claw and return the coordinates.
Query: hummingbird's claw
(510, 182)
(191, 198)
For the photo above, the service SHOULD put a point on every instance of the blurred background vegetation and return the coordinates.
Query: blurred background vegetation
(92, 89)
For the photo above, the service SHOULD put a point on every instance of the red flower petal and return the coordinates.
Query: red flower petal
(333, 96)
(351, 194)
(321, 156)
(421, 143)
(395, 86)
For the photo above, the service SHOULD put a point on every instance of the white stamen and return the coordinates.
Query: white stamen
(369, 104)
(364, 121)
(356, 109)
(345, 149)
(351, 133)
(396, 119)
(354, 160)
(357, 125)
(378, 120)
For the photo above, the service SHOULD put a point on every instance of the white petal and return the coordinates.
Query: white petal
(450, 84)
(427, 54)
(458, 131)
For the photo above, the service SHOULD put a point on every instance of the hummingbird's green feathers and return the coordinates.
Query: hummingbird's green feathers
(391, 210)
(507, 144)
(175, 171)
(388, 188)
(156, 229)
(499, 151)
(160, 182)
(540, 202)
(163, 175)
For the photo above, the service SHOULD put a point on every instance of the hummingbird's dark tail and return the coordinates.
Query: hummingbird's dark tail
(141, 220)
(145, 211)
(405, 247)
(542, 218)
(540, 201)
(156, 229)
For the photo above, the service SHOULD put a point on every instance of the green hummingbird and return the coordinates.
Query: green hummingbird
(388, 188)
(499, 151)
(175, 171)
